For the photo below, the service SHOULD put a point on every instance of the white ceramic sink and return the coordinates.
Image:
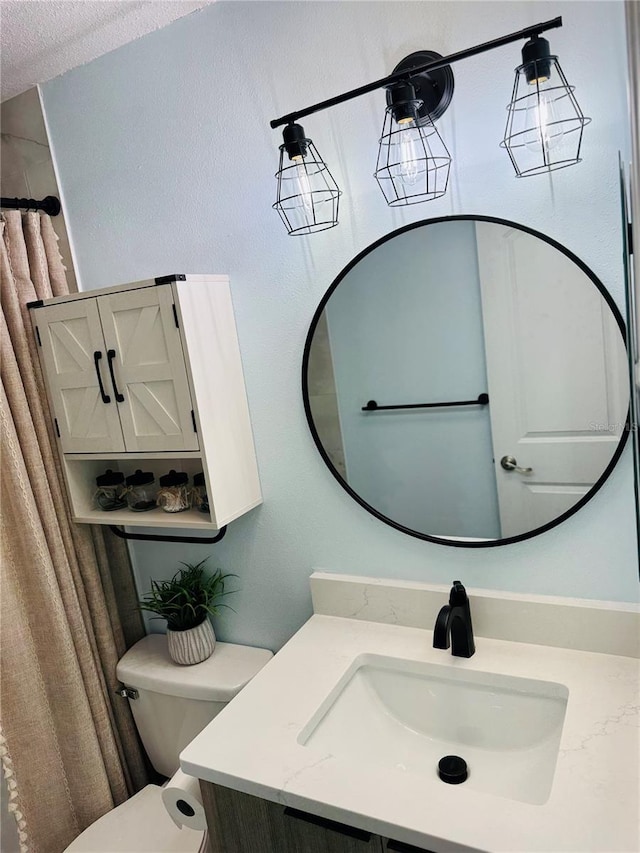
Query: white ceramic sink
(408, 715)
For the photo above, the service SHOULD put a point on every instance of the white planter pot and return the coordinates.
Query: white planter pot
(192, 646)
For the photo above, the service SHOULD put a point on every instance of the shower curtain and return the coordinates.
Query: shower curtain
(69, 748)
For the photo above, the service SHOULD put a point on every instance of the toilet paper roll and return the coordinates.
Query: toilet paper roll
(182, 799)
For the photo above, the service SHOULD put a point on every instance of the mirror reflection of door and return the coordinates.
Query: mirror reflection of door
(556, 377)
(444, 311)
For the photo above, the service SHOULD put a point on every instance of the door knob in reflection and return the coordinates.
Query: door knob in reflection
(509, 463)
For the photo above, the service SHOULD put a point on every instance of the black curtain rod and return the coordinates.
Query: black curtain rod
(527, 32)
(50, 204)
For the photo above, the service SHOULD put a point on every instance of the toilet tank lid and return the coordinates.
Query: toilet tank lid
(147, 666)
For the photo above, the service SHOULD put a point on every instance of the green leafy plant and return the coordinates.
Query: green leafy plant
(188, 598)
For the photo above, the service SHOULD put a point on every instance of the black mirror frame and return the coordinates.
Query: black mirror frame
(425, 536)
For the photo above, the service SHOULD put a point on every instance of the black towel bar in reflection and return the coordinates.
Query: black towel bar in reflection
(482, 400)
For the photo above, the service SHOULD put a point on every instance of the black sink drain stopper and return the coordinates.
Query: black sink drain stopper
(452, 769)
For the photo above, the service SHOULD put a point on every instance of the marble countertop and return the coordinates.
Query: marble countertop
(594, 804)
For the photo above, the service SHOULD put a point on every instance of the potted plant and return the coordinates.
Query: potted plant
(186, 602)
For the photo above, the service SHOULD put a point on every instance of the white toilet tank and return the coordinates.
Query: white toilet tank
(175, 702)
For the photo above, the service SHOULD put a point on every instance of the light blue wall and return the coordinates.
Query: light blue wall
(166, 160)
(405, 326)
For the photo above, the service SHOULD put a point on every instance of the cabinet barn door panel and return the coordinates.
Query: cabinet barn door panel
(71, 337)
(149, 369)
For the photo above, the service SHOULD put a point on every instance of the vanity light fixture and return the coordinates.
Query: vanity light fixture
(544, 123)
(413, 161)
(307, 197)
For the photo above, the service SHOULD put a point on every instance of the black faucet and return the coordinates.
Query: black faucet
(454, 620)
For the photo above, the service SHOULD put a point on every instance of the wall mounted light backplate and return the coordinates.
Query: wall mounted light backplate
(433, 88)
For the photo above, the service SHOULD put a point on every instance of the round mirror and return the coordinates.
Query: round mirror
(466, 381)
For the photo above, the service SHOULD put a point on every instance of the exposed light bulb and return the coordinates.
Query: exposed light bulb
(303, 198)
(406, 153)
(544, 131)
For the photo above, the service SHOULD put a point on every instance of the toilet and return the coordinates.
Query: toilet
(172, 705)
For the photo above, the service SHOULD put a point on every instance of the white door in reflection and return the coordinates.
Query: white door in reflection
(556, 378)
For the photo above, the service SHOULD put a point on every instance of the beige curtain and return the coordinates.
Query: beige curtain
(69, 747)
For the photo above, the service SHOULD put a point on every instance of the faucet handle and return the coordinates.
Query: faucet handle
(458, 595)
(454, 620)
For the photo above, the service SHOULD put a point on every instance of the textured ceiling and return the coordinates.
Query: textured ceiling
(41, 39)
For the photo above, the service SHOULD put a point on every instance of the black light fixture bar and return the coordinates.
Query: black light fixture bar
(527, 32)
(372, 406)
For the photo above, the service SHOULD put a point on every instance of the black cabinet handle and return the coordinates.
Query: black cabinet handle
(401, 847)
(332, 825)
(96, 360)
(111, 354)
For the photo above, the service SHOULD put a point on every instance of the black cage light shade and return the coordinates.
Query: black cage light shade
(544, 120)
(413, 161)
(307, 194)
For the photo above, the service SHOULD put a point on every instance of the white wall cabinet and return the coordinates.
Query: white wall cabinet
(148, 375)
(117, 374)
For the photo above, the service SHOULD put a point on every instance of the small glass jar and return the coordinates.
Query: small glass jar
(109, 492)
(200, 492)
(141, 491)
(174, 494)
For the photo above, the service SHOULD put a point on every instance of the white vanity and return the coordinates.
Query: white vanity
(335, 745)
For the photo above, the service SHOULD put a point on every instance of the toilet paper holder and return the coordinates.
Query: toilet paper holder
(184, 808)
(183, 800)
